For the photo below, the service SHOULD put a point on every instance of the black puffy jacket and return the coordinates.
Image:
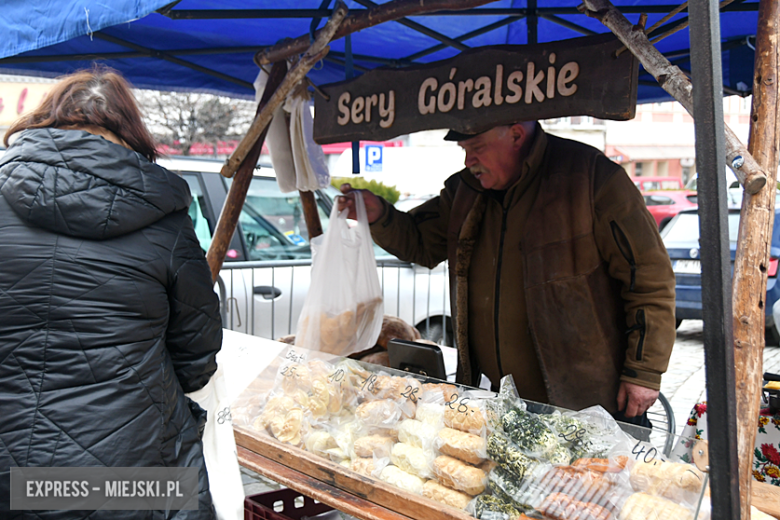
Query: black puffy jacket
(107, 314)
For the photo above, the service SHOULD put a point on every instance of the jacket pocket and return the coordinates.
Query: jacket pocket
(641, 326)
(624, 247)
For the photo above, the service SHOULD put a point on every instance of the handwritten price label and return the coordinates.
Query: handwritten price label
(461, 407)
(410, 393)
(649, 454)
(369, 383)
(294, 356)
(224, 416)
(572, 433)
(337, 376)
(290, 371)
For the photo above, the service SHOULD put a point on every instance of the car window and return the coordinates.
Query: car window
(685, 228)
(272, 223)
(658, 200)
(670, 185)
(202, 228)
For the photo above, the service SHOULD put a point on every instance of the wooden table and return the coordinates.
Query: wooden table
(332, 484)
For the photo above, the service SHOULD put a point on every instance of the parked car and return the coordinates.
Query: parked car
(267, 269)
(731, 179)
(657, 183)
(663, 205)
(681, 238)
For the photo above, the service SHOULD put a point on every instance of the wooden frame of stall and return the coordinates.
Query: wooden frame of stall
(738, 341)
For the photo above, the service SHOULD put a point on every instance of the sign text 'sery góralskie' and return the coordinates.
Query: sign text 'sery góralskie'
(481, 88)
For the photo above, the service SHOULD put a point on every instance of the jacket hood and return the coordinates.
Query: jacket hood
(75, 183)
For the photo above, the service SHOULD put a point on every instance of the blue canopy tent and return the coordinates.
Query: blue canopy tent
(209, 46)
(206, 46)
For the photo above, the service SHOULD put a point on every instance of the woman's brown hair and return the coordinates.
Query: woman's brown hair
(99, 97)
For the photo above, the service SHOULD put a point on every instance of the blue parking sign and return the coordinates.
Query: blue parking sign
(373, 155)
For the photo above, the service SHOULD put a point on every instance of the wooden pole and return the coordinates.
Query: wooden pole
(755, 235)
(315, 53)
(383, 13)
(672, 80)
(310, 214)
(244, 157)
(228, 218)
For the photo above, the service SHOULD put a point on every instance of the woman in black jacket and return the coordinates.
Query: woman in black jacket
(107, 311)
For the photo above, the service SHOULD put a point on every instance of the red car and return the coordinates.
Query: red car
(665, 204)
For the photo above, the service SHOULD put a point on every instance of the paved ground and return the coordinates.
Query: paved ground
(684, 382)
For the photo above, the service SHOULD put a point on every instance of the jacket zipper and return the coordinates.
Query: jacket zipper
(641, 326)
(621, 240)
(640, 320)
(498, 289)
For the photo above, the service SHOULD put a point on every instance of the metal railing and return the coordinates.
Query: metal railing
(265, 298)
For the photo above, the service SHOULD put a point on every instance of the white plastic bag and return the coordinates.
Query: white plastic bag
(219, 449)
(343, 310)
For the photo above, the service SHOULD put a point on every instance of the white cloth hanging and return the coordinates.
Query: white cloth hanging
(298, 161)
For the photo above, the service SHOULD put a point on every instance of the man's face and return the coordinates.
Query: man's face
(493, 156)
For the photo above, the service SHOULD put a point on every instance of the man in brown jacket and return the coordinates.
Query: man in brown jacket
(558, 273)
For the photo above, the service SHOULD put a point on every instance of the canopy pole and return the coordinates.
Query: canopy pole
(228, 218)
(310, 214)
(755, 234)
(387, 12)
(705, 104)
(244, 157)
(715, 258)
(318, 50)
(672, 80)
(532, 23)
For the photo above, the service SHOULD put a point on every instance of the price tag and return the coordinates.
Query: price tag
(644, 453)
(410, 393)
(369, 383)
(572, 433)
(295, 357)
(290, 371)
(460, 407)
(337, 376)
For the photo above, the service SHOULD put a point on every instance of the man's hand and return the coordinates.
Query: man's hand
(374, 206)
(639, 399)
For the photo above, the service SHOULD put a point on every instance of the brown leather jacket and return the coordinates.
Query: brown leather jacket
(563, 281)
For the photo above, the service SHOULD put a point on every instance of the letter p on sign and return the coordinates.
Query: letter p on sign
(373, 154)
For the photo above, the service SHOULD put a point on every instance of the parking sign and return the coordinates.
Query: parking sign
(373, 155)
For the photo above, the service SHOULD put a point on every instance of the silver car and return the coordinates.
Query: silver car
(267, 269)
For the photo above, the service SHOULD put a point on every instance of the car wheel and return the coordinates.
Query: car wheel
(772, 336)
(433, 330)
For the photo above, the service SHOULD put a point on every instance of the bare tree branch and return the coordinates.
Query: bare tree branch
(181, 120)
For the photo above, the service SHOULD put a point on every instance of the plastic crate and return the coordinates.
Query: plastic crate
(284, 504)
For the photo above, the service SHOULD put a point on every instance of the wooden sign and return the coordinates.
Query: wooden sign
(481, 88)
